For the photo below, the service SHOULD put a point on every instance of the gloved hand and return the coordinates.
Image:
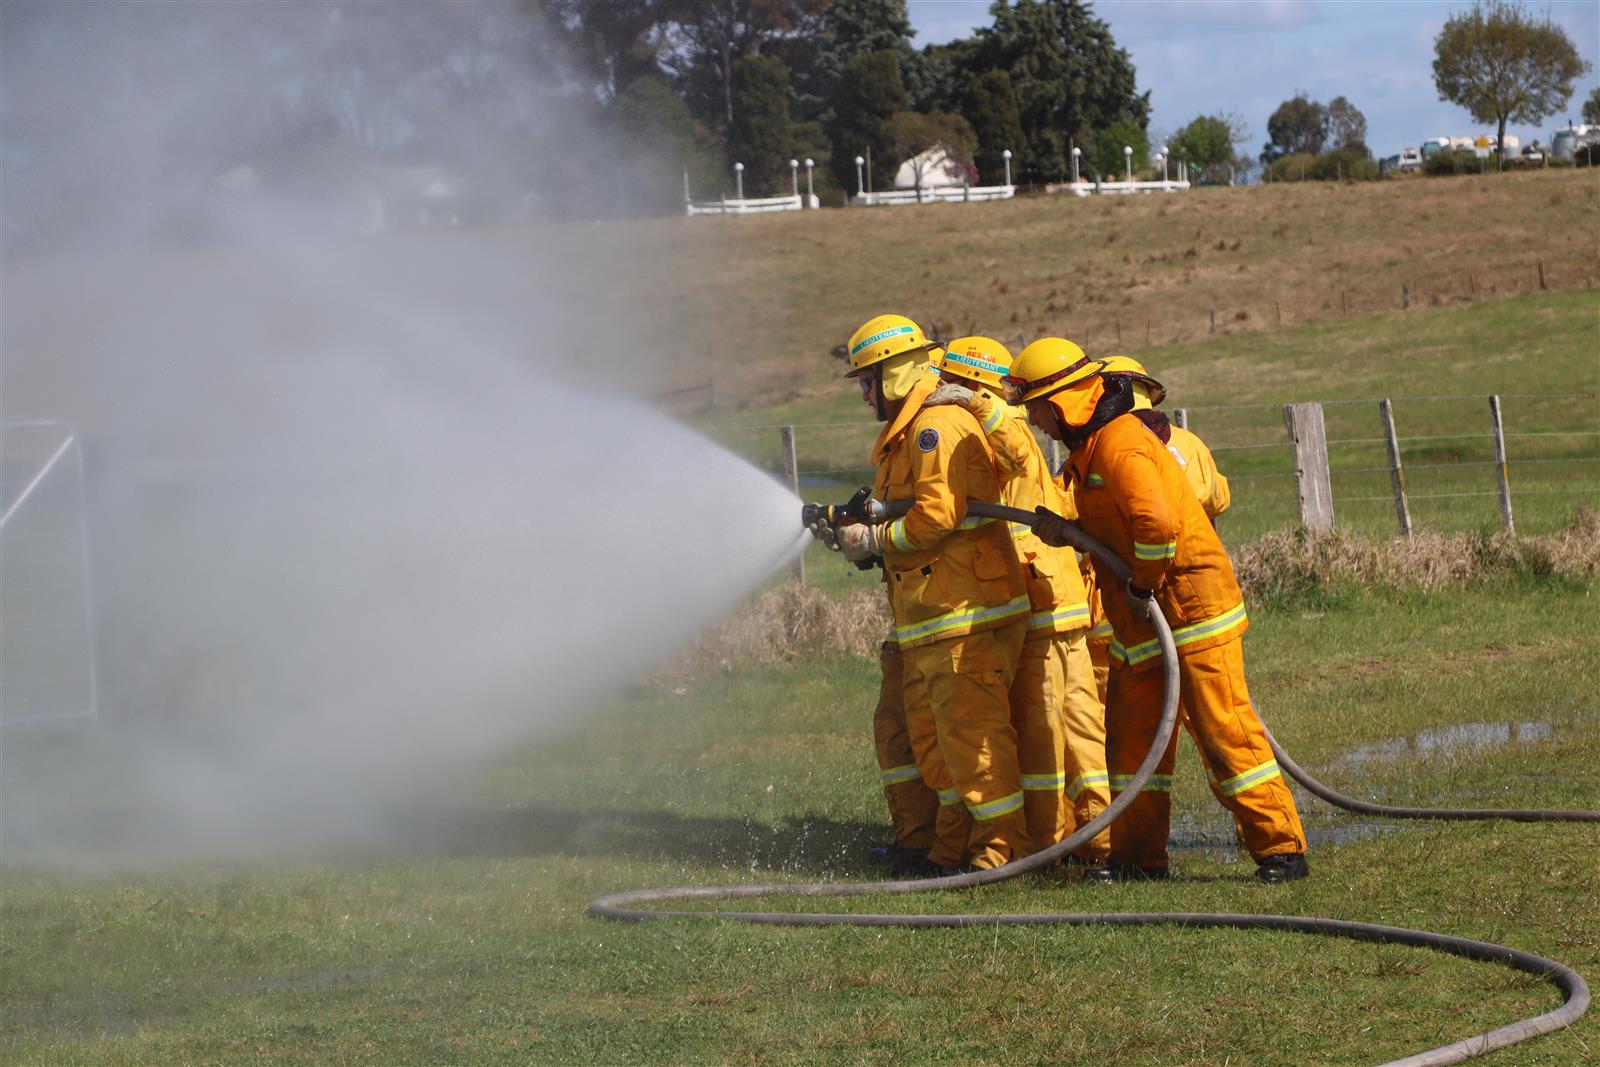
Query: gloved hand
(951, 393)
(1141, 601)
(823, 531)
(860, 542)
(1051, 528)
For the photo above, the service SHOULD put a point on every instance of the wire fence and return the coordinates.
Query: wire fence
(1448, 476)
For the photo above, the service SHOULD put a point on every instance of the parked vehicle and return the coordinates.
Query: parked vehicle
(1567, 141)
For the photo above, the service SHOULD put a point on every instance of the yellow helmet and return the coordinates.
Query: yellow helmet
(982, 359)
(882, 337)
(1144, 386)
(1048, 365)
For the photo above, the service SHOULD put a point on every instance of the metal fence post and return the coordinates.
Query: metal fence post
(1500, 463)
(1180, 418)
(791, 468)
(1397, 475)
(1309, 437)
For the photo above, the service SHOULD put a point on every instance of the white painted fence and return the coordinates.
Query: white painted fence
(750, 207)
(1090, 188)
(944, 194)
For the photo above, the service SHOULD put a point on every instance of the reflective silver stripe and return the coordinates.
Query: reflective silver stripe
(1053, 782)
(1019, 528)
(957, 619)
(1261, 772)
(897, 536)
(1087, 780)
(1101, 629)
(1159, 783)
(904, 773)
(949, 796)
(1042, 619)
(1183, 635)
(1094, 479)
(995, 417)
(1144, 551)
(993, 809)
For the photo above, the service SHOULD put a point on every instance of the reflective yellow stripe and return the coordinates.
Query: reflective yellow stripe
(1087, 780)
(949, 796)
(1144, 551)
(1101, 629)
(1094, 479)
(1019, 528)
(994, 418)
(955, 620)
(1159, 783)
(897, 536)
(903, 773)
(1043, 619)
(1045, 781)
(1183, 635)
(1261, 772)
(972, 522)
(993, 809)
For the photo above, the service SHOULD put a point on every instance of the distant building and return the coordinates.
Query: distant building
(936, 169)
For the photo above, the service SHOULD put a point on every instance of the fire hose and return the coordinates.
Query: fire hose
(626, 906)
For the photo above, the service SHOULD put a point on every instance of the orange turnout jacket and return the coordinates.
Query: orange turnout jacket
(1132, 495)
(948, 573)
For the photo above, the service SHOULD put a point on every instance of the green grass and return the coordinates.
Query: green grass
(1439, 365)
(473, 945)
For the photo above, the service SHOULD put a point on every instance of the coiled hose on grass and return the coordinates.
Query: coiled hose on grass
(627, 906)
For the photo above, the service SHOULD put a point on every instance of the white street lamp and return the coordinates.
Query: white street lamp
(794, 177)
(738, 177)
(810, 195)
(1162, 159)
(1076, 152)
(1006, 155)
(859, 188)
(1127, 160)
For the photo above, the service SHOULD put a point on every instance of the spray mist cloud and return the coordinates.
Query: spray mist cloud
(367, 500)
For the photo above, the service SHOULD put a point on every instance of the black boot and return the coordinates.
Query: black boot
(909, 862)
(1284, 867)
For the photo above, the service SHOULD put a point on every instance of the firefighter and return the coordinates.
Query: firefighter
(959, 598)
(1059, 717)
(1132, 496)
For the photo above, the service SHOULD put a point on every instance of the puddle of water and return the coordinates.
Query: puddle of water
(1449, 739)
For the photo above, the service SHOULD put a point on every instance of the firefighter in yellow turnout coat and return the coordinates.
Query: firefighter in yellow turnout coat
(1133, 497)
(1058, 715)
(958, 594)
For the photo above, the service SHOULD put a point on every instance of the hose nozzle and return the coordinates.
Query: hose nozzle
(859, 508)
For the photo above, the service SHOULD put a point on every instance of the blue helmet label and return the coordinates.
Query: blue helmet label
(928, 440)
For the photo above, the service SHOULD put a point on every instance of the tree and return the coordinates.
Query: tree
(1502, 64)
(1347, 126)
(714, 34)
(1298, 126)
(1106, 156)
(615, 42)
(858, 27)
(661, 140)
(1591, 107)
(991, 108)
(1069, 76)
(910, 134)
(760, 137)
(1207, 142)
(870, 92)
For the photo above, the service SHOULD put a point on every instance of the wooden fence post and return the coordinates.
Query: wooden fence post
(1213, 320)
(1180, 417)
(791, 469)
(1397, 474)
(1500, 464)
(1309, 437)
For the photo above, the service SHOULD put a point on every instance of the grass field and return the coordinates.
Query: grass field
(471, 944)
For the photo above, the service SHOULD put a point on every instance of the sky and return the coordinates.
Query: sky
(1200, 57)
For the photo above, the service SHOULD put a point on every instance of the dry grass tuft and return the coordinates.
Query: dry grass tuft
(1292, 562)
(789, 621)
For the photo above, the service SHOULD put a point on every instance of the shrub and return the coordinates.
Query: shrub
(1292, 168)
(1460, 161)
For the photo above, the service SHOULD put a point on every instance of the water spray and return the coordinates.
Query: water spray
(628, 906)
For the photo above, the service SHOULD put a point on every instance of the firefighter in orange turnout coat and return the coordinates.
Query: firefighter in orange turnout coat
(1132, 496)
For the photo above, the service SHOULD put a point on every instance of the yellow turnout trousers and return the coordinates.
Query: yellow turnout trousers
(1243, 773)
(1061, 741)
(913, 805)
(959, 715)
(1088, 777)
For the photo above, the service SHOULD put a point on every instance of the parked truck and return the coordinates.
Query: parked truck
(1572, 137)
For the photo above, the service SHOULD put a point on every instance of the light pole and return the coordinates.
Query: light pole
(1006, 155)
(738, 178)
(1162, 159)
(810, 195)
(1076, 152)
(794, 177)
(859, 188)
(1127, 161)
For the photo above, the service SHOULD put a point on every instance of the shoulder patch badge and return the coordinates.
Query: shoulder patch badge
(928, 439)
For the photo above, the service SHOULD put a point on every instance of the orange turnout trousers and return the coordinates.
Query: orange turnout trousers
(913, 805)
(960, 612)
(1132, 495)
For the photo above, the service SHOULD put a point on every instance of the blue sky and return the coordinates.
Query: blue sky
(1247, 56)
